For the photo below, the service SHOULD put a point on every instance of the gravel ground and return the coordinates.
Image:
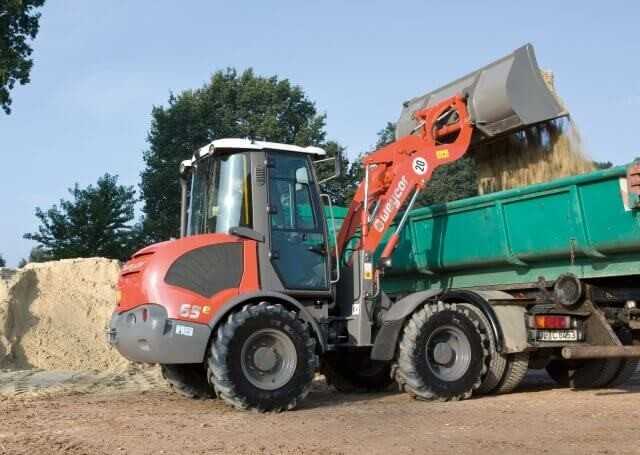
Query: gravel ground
(537, 418)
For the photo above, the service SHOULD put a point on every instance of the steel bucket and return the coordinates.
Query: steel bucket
(502, 97)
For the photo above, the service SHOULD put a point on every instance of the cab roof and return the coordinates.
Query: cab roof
(247, 144)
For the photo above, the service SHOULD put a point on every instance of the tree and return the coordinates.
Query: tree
(3, 263)
(386, 135)
(37, 254)
(602, 164)
(19, 23)
(229, 105)
(96, 222)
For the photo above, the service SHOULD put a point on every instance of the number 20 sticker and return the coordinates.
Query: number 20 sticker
(420, 166)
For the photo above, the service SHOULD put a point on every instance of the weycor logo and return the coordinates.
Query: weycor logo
(394, 203)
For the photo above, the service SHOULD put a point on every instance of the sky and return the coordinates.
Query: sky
(100, 67)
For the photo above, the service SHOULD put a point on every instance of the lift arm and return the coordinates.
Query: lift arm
(397, 172)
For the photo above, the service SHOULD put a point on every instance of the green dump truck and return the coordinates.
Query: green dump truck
(558, 263)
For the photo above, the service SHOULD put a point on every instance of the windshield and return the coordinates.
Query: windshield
(220, 194)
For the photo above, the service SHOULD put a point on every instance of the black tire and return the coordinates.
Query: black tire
(239, 382)
(496, 363)
(188, 380)
(515, 371)
(458, 372)
(626, 367)
(355, 372)
(582, 374)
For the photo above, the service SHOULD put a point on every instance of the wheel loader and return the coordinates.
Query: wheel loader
(261, 292)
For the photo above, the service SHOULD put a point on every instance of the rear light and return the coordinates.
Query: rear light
(545, 321)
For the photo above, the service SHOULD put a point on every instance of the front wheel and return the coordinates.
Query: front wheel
(262, 358)
(442, 354)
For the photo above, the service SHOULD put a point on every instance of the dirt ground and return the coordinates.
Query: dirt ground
(537, 418)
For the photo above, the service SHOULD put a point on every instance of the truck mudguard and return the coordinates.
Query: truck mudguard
(507, 321)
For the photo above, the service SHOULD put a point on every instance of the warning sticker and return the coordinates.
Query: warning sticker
(368, 271)
(442, 154)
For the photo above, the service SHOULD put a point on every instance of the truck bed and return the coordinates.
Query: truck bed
(582, 225)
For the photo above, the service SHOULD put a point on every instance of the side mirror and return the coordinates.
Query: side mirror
(337, 160)
(338, 163)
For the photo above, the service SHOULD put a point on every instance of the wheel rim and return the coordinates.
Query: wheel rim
(268, 359)
(448, 353)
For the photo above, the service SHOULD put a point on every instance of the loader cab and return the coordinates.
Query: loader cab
(269, 193)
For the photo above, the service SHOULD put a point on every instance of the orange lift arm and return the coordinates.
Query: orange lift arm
(397, 172)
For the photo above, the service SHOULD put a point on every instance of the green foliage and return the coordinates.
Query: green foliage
(229, 105)
(96, 222)
(37, 254)
(386, 135)
(603, 164)
(451, 182)
(18, 25)
(3, 263)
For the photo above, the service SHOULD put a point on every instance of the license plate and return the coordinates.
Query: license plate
(558, 335)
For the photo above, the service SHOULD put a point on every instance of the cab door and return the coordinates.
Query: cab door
(298, 244)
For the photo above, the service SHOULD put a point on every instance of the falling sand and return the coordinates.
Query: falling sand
(540, 153)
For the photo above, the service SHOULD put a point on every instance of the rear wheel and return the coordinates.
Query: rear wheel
(262, 358)
(496, 363)
(626, 367)
(442, 354)
(355, 371)
(188, 380)
(582, 374)
(515, 371)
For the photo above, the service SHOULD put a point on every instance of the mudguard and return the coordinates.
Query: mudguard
(287, 301)
(507, 321)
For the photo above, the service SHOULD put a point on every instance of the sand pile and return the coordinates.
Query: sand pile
(53, 316)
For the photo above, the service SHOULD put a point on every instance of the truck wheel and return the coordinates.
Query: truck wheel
(262, 358)
(515, 371)
(582, 374)
(188, 380)
(626, 367)
(350, 372)
(496, 363)
(442, 354)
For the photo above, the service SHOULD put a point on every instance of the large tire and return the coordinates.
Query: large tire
(262, 358)
(496, 363)
(582, 374)
(188, 380)
(355, 372)
(442, 354)
(515, 371)
(626, 367)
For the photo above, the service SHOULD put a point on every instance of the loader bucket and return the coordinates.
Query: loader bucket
(503, 97)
